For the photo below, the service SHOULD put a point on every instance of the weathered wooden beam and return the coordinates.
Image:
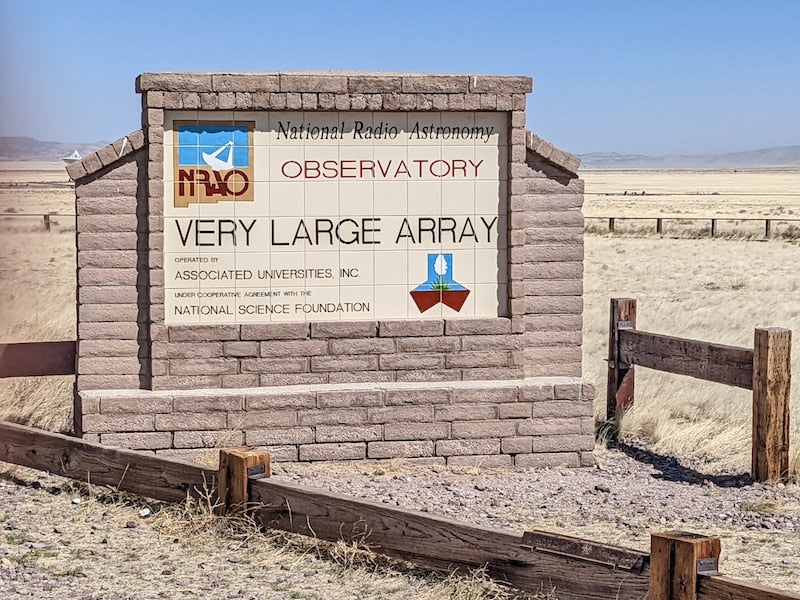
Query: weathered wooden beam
(730, 365)
(621, 384)
(441, 543)
(35, 359)
(771, 389)
(235, 468)
(613, 556)
(717, 587)
(674, 562)
(659, 226)
(125, 470)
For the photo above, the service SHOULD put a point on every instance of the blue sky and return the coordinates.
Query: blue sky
(630, 76)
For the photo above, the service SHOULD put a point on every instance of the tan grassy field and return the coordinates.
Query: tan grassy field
(717, 290)
(37, 285)
(729, 194)
(687, 200)
(713, 290)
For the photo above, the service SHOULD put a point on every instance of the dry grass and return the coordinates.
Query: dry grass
(196, 519)
(716, 290)
(188, 550)
(37, 291)
(732, 194)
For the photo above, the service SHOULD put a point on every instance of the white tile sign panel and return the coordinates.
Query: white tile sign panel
(309, 216)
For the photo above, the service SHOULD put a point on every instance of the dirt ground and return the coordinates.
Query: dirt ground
(65, 538)
(62, 540)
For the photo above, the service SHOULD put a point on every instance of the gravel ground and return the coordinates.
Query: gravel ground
(629, 494)
(67, 540)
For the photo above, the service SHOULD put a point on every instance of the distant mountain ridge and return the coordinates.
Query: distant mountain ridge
(25, 148)
(782, 156)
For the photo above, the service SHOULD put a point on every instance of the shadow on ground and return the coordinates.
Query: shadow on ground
(671, 469)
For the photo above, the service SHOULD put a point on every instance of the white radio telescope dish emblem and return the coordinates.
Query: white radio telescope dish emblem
(216, 163)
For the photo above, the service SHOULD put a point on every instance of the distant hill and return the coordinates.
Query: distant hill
(25, 148)
(784, 156)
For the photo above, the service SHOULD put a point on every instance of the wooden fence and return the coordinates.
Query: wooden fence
(47, 218)
(658, 222)
(37, 359)
(680, 565)
(765, 369)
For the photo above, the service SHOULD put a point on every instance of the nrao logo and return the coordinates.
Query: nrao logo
(213, 162)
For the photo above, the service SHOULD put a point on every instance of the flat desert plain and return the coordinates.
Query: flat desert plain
(729, 194)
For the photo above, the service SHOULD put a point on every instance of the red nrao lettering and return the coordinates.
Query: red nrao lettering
(233, 183)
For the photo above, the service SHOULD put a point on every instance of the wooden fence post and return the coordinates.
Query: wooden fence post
(619, 394)
(713, 228)
(659, 225)
(46, 219)
(235, 466)
(675, 559)
(611, 225)
(767, 228)
(771, 387)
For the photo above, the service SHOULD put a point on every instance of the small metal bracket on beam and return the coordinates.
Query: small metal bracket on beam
(623, 326)
(256, 470)
(708, 566)
(584, 550)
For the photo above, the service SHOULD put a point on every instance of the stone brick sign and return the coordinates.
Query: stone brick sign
(333, 266)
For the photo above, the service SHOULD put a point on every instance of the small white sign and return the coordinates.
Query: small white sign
(311, 216)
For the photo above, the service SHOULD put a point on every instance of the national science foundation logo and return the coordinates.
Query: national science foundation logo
(440, 286)
(213, 162)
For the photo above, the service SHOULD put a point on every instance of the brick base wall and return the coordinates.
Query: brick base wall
(235, 356)
(535, 422)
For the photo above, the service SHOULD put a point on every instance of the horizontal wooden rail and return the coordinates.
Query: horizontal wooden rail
(730, 365)
(671, 194)
(659, 222)
(447, 544)
(46, 217)
(533, 561)
(717, 587)
(768, 222)
(766, 370)
(36, 359)
(690, 218)
(36, 184)
(41, 214)
(125, 470)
